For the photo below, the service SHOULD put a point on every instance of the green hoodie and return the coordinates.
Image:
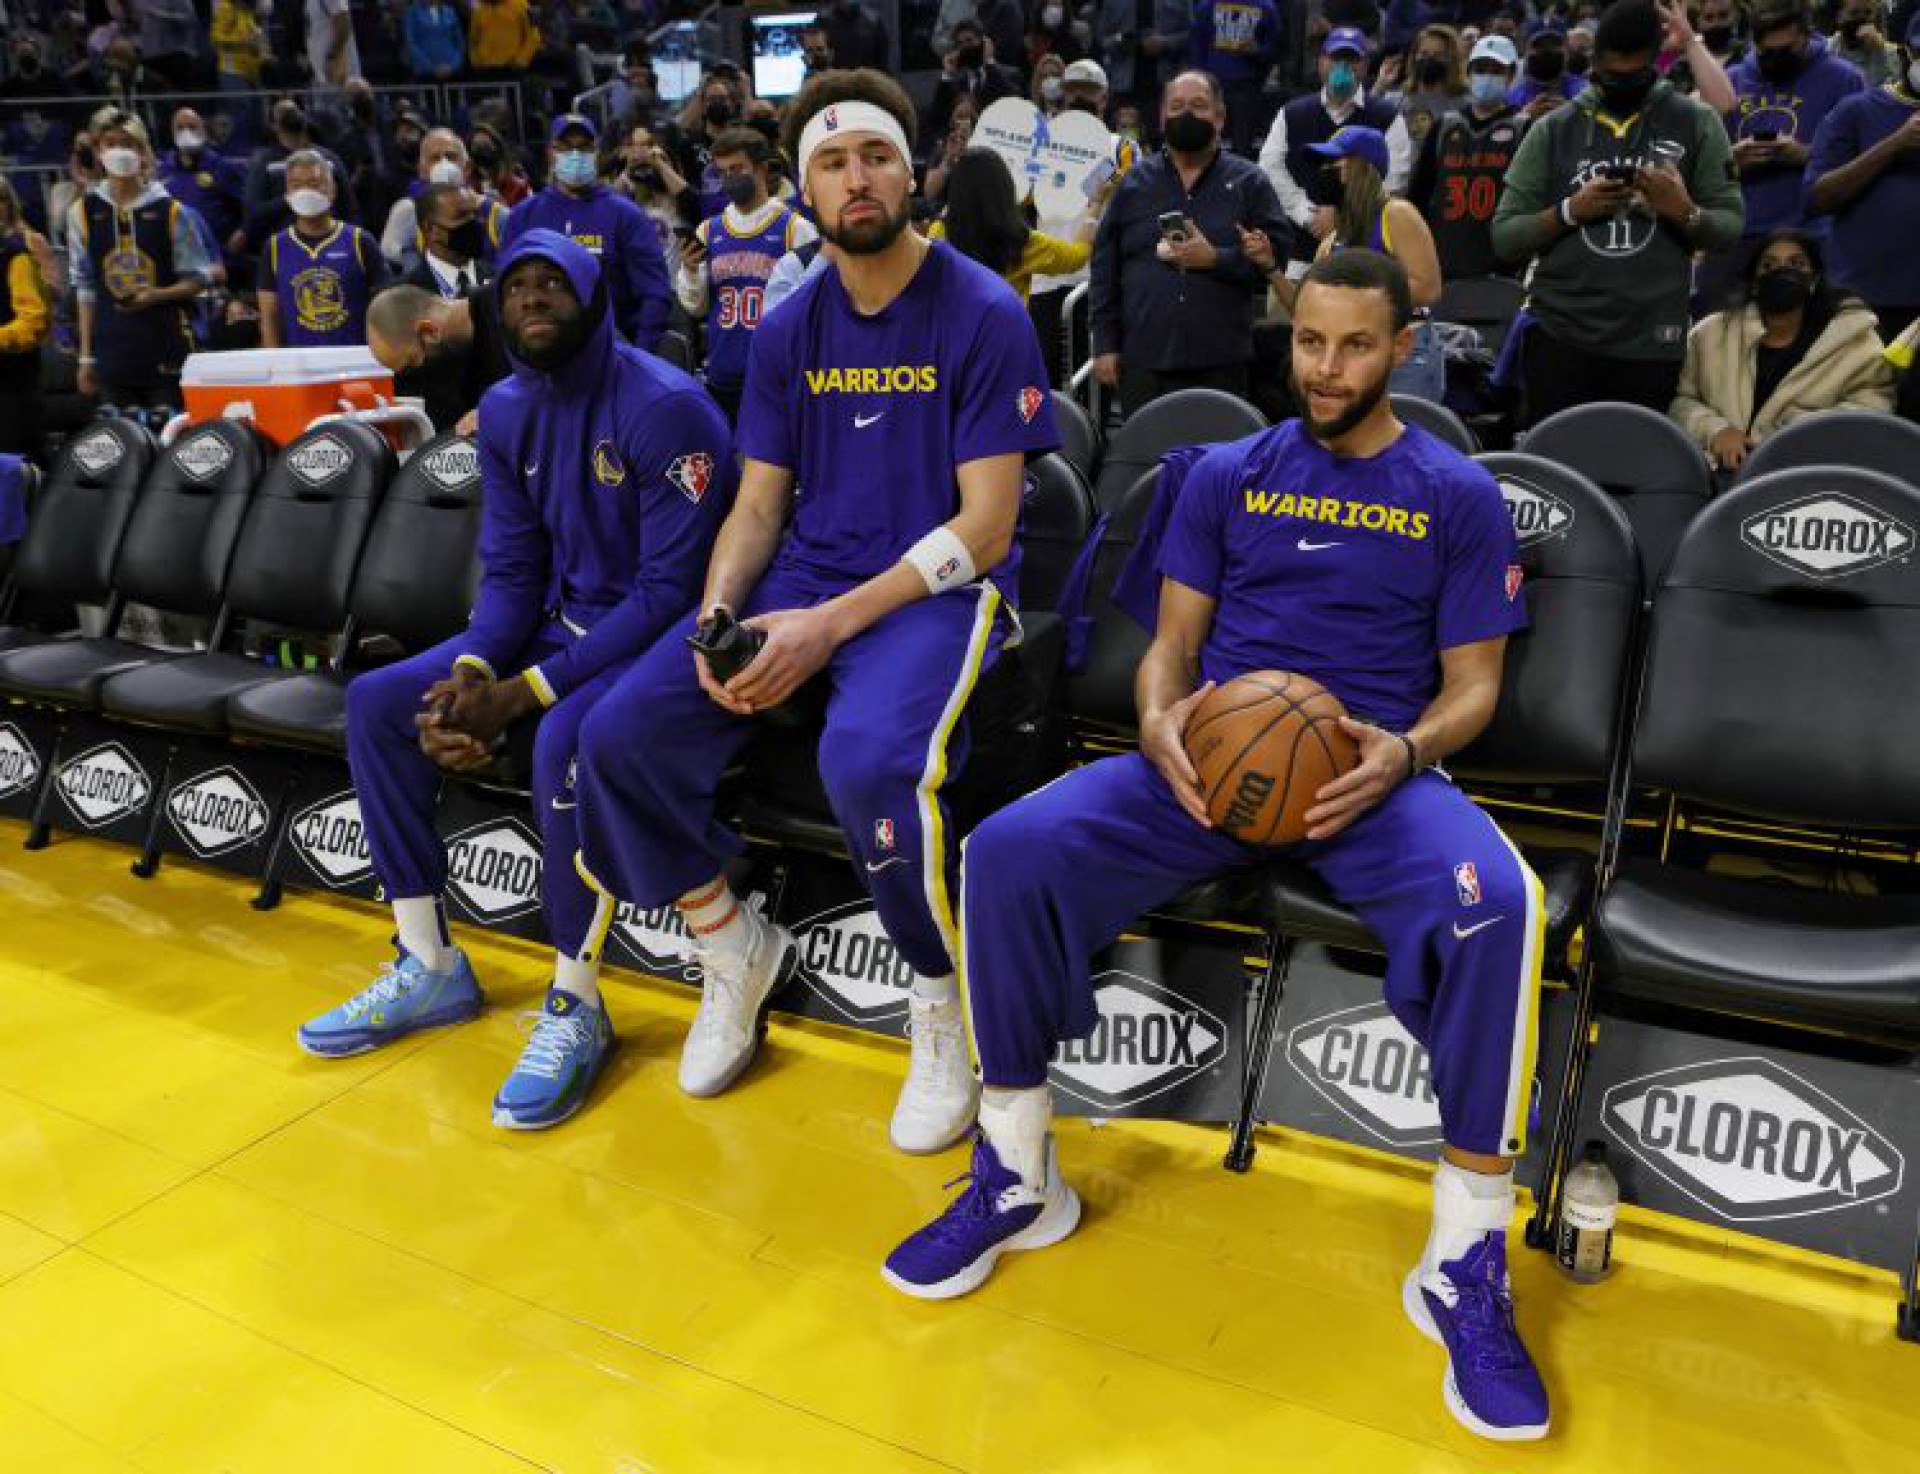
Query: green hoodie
(1618, 287)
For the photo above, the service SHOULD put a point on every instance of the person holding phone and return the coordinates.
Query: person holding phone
(1173, 289)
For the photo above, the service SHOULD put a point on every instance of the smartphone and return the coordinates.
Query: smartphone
(1174, 228)
(1765, 135)
(1620, 173)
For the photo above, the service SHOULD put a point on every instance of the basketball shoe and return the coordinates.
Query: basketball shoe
(941, 1096)
(571, 1041)
(1466, 1305)
(404, 999)
(738, 977)
(996, 1211)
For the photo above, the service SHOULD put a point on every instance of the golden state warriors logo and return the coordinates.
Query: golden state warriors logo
(608, 468)
(319, 300)
(128, 270)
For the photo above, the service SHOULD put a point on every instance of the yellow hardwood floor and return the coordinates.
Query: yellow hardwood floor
(217, 1254)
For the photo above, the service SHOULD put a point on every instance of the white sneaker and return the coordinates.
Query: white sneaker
(941, 1097)
(733, 999)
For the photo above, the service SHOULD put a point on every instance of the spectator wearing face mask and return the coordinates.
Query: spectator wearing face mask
(611, 227)
(443, 160)
(266, 203)
(1238, 41)
(1308, 192)
(1053, 31)
(1545, 81)
(1612, 197)
(1722, 30)
(1865, 174)
(200, 176)
(454, 249)
(496, 171)
(1860, 39)
(708, 112)
(436, 42)
(855, 35)
(137, 260)
(1049, 90)
(1432, 80)
(317, 275)
(1789, 347)
(1462, 168)
(969, 70)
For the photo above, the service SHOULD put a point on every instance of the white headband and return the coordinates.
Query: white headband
(851, 117)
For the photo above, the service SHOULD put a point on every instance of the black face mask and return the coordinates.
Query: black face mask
(1579, 63)
(1623, 93)
(1429, 71)
(740, 190)
(1778, 64)
(1189, 133)
(645, 177)
(467, 240)
(363, 109)
(971, 55)
(718, 113)
(1784, 290)
(1718, 38)
(1546, 65)
(1850, 29)
(486, 156)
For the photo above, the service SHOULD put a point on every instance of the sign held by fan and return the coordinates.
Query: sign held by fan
(1062, 161)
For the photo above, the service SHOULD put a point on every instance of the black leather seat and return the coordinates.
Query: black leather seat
(1841, 437)
(173, 556)
(1776, 689)
(415, 583)
(293, 563)
(1185, 417)
(1079, 439)
(78, 518)
(1639, 457)
(1100, 693)
(1437, 420)
(1487, 304)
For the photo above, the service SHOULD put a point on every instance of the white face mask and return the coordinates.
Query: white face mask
(1052, 16)
(307, 203)
(121, 163)
(446, 171)
(189, 142)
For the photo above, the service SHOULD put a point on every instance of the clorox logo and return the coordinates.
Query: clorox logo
(217, 812)
(204, 456)
(100, 451)
(319, 461)
(846, 957)
(1828, 536)
(1149, 1039)
(1372, 1071)
(19, 763)
(453, 466)
(1536, 512)
(494, 869)
(1752, 1141)
(331, 837)
(103, 784)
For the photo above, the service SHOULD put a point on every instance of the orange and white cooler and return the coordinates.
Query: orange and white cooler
(284, 390)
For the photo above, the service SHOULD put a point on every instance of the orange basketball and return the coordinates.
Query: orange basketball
(1263, 745)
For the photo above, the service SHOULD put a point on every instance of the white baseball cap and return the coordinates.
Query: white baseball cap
(1086, 70)
(1495, 48)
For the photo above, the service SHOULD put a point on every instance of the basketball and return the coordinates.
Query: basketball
(1263, 745)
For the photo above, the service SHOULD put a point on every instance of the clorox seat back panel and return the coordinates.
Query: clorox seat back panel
(81, 512)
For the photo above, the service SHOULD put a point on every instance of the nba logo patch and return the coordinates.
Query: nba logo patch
(693, 474)
(1030, 402)
(833, 119)
(883, 834)
(1466, 883)
(1515, 573)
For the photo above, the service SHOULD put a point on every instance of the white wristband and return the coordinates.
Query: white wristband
(1566, 214)
(942, 559)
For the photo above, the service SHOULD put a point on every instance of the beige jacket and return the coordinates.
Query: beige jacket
(1845, 368)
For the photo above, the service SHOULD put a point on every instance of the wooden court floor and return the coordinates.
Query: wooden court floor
(217, 1254)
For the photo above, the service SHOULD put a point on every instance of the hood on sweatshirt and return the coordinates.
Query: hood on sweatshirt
(589, 363)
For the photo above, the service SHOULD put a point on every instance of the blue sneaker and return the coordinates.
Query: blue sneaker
(1491, 1385)
(571, 1041)
(997, 1212)
(403, 1000)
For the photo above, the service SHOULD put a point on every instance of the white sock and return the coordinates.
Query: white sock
(941, 989)
(422, 923)
(1466, 1207)
(1016, 1123)
(713, 914)
(580, 975)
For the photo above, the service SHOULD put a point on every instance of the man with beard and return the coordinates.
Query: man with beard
(606, 474)
(1369, 556)
(902, 387)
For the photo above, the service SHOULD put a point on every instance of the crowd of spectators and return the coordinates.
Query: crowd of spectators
(1709, 204)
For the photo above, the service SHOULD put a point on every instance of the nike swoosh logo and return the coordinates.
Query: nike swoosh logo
(532, 470)
(1463, 932)
(564, 807)
(894, 860)
(1306, 547)
(860, 422)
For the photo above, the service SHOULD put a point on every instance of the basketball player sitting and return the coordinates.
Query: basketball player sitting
(1365, 554)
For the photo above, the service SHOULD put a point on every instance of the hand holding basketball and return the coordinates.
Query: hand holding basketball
(1384, 764)
(1163, 743)
(1264, 747)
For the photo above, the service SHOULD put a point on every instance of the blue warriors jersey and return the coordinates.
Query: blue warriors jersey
(323, 285)
(738, 265)
(128, 250)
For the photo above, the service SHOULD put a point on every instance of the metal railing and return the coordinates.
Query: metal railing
(440, 101)
(1081, 380)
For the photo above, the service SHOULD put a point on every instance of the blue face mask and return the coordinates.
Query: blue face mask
(1488, 88)
(576, 167)
(1342, 80)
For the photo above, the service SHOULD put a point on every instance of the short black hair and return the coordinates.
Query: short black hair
(1366, 271)
(1774, 15)
(864, 85)
(1628, 28)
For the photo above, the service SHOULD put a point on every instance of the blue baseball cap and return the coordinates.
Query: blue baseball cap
(570, 122)
(1355, 143)
(1345, 38)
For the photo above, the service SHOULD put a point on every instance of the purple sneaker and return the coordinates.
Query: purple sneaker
(1491, 1385)
(997, 1211)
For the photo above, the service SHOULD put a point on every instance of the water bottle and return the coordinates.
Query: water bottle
(1589, 1205)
